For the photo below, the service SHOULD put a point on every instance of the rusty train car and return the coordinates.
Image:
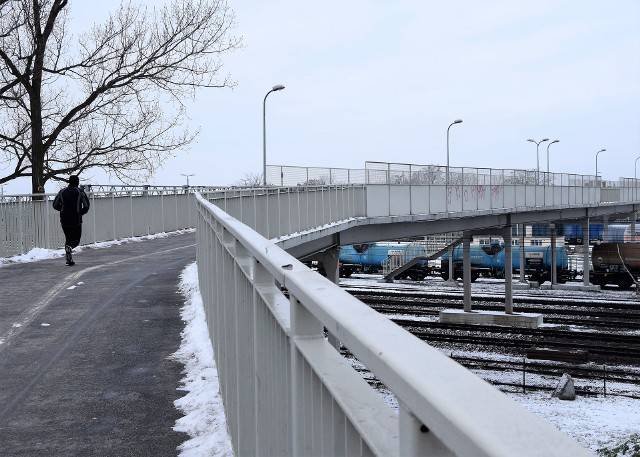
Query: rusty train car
(615, 263)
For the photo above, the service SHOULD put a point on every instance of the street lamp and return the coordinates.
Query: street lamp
(264, 133)
(635, 177)
(601, 150)
(538, 156)
(182, 174)
(554, 141)
(457, 121)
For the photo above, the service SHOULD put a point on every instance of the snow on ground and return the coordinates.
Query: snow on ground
(204, 420)
(595, 422)
(37, 254)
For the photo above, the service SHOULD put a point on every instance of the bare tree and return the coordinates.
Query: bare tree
(250, 180)
(111, 99)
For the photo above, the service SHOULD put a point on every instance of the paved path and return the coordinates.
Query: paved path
(83, 354)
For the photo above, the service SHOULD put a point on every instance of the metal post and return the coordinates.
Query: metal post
(446, 191)
(585, 252)
(554, 257)
(264, 133)
(523, 262)
(554, 141)
(508, 271)
(466, 270)
(538, 157)
(601, 150)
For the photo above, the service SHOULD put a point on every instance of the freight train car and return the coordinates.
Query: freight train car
(489, 261)
(615, 263)
(573, 233)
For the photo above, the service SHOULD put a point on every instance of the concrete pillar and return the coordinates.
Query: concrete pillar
(329, 259)
(508, 271)
(585, 252)
(523, 228)
(466, 270)
(451, 281)
(554, 260)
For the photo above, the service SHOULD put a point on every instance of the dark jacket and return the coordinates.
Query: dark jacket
(72, 203)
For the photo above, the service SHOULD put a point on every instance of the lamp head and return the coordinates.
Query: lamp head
(457, 121)
(601, 150)
(544, 139)
(555, 141)
(278, 87)
(533, 141)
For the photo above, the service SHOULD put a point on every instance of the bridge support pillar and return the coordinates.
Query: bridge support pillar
(329, 259)
(523, 230)
(466, 270)
(508, 270)
(585, 252)
(452, 280)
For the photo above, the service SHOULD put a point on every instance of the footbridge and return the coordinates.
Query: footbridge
(275, 323)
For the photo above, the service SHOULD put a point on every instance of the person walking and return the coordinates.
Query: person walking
(72, 203)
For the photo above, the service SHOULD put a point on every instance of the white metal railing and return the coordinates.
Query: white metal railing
(26, 223)
(405, 189)
(412, 174)
(288, 392)
(277, 211)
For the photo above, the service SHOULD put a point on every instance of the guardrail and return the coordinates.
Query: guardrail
(277, 211)
(26, 223)
(288, 392)
(411, 174)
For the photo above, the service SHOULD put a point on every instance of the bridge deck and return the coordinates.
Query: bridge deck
(84, 366)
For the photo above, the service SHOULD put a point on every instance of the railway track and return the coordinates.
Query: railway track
(620, 315)
(527, 375)
(602, 320)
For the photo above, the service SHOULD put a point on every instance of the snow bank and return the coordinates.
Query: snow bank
(204, 420)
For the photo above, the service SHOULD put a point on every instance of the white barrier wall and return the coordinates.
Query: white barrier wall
(398, 200)
(26, 224)
(274, 212)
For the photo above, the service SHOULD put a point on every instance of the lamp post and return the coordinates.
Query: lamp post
(635, 178)
(601, 150)
(264, 133)
(187, 176)
(457, 121)
(538, 156)
(554, 141)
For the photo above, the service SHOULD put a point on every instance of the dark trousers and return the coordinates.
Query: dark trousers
(72, 234)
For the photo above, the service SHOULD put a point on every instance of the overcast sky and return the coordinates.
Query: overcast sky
(382, 80)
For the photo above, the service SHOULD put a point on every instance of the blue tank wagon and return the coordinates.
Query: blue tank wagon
(489, 261)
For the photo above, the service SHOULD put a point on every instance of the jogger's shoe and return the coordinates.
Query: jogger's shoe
(69, 258)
